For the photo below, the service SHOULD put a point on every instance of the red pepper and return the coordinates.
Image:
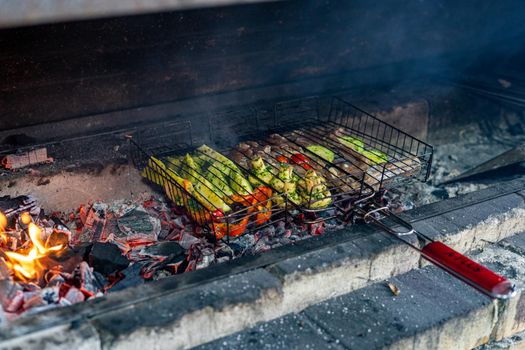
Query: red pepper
(264, 213)
(233, 230)
(260, 194)
(299, 158)
(217, 215)
(306, 166)
(282, 159)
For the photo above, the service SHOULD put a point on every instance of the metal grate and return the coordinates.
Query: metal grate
(384, 154)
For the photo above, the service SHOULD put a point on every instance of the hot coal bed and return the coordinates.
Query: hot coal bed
(168, 173)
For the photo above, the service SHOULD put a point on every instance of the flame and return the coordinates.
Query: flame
(3, 224)
(26, 263)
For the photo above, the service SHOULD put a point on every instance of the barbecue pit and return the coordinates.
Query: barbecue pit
(153, 172)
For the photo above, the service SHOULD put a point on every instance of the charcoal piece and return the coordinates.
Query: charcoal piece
(88, 282)
(11, 207)
(11, 295)
(94, 227)
(131, 277)
(101, 281)
(33, 299)
(74, 295)
(163, 249)
(55, 281)
(138, 224)
(57, 238)
(107, 258)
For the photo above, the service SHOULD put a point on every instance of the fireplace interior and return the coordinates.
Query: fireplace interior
(139, 147)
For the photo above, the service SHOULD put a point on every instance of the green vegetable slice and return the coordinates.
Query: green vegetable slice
(322, 152)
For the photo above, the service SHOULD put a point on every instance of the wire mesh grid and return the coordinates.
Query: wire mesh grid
(212, 190)
(365, 154)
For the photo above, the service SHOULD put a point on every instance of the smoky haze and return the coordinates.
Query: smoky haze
(173, 63)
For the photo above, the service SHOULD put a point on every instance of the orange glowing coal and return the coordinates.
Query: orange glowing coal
(25, 263)
(3, 225)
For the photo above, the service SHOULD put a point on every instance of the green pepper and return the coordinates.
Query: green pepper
(322, 152)
(352, 142)
(375, 156)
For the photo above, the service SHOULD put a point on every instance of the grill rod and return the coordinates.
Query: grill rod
(458, 265)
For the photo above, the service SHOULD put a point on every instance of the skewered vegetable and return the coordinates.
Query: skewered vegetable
(322, 152)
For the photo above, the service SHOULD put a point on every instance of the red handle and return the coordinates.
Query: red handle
(467, 270)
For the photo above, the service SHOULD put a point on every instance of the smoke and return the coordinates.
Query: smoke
(203, 60)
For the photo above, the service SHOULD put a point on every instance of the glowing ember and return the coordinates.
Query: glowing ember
(25, 263)
(25, 217)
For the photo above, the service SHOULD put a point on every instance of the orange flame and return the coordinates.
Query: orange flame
(26, 264)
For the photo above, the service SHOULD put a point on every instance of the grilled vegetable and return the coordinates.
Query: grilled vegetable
(216, 175)
(260, 170)
(352, 142)
(298, 158)
(282, 159)
(322, 152)
(314, 191)
(219, 157)
(173, 163)
(239, 184)
(233, 230)
(290, 192)
(286, 173)
(375, 156)
(201, 185)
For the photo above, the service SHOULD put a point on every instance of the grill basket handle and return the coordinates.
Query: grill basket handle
(441, 255)
(467, 270)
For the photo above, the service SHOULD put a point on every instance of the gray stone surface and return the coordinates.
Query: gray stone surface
(433, 310)
(293, 331)
(372, 317)
(185, 311)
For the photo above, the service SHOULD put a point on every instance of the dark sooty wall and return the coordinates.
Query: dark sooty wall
(62, 71)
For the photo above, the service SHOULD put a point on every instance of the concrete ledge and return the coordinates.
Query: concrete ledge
(185, 311)
(508, 258)
(432, 311)
(187, 318)
(333, 271)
